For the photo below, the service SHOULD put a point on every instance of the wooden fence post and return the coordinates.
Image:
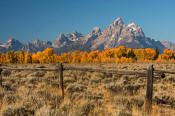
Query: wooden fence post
(149, 90)
(61, 87)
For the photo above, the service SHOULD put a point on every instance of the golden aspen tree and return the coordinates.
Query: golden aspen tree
(108, 53)
(20, 57)
(1, 58)
(11, 57)
(121, 51)
(84, 58)
(150, 54)
(48, 55)
(57, 58)
(27, 58)
(140, 54)
(40, 57)
(76, 56)
(35, 58)
(115, 55)
(160, 58)
(93, 56)
(130, 53)
(8, 57)
(168, 54)
(66, 57)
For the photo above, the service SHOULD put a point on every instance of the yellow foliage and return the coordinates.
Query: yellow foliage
(20, 57)
(11, 57)
(28, 58)
(84, 58)
(2, 58)
(115, 55)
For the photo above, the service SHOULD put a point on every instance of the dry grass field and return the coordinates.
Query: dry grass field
(36, 93)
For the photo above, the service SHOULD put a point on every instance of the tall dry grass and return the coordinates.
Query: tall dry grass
(36, 93)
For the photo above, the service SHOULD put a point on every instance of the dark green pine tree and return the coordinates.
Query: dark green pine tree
(157, 53)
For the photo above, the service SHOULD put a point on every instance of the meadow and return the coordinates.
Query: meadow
(36, 93)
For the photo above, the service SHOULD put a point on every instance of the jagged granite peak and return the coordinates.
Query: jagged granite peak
(96, 30)
(117, 22)
(11, 44)
(117, 34)
(133, 28)
(48, 42)
(12, 41)
(131, 32)
(61, 36)
(74, 36)
(37, 42)
(36, 45)
(115, 27)
(75, 33)
(132, 24)
(28, 47)
(60, 41)
(109, 36)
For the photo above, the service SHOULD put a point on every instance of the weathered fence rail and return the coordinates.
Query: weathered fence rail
(164, 71)
(111, 71)
(157, 71)
(31, 69)
(150, 73)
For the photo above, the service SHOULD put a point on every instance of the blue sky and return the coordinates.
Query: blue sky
(28, 20)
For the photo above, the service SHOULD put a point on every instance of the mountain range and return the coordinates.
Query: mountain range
(116, 34)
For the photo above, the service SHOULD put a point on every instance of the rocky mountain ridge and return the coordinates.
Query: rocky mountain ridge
(169, 45)
(117, 34)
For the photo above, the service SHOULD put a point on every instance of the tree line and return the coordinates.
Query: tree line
(115, 55)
